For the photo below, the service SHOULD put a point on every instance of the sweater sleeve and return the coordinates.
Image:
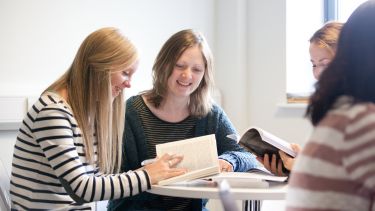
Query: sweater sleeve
(228, 149)
(56, 138)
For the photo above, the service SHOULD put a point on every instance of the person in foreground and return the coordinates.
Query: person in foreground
(68, 149)
(336, 168)
(178, 107)
(323, 45)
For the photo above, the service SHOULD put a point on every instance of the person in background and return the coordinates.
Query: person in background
(69, 147)
(323, 44)
(336, 168)
(179, 106)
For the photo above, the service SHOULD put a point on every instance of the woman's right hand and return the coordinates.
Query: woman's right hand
(271, 164)
(287, 160)
(164, 168)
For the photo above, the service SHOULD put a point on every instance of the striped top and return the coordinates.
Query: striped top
(49, 169)
(158, 131)
(336, 169)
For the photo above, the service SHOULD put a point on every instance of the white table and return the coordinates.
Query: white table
(250, 196)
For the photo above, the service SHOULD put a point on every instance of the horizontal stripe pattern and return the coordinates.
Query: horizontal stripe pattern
(307, 200)
(49, 167)
(336, 169)
(158, 131)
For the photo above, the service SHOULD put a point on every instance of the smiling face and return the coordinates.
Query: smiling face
(187, 73)
(320, 57)
(122, 79)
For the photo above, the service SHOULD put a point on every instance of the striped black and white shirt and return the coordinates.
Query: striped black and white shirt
(49, 169)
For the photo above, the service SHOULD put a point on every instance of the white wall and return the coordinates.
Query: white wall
(40, 38)
(230, 59)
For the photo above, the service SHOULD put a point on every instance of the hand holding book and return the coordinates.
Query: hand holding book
(164, 168)
(287, 160)
(207, 163)
(264, 144)
(276, 166)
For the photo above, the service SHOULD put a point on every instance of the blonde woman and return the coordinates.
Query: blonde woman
(69, 147)
(323, 46)
(322, 49)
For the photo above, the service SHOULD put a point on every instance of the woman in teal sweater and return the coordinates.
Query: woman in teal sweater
(178, 107)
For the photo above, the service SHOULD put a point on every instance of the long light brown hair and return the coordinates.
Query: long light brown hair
(200, 100)
(88, 82)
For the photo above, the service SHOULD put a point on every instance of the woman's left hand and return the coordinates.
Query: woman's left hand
(225, 166)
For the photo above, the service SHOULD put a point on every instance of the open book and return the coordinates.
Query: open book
(260, 142)
(200, 157)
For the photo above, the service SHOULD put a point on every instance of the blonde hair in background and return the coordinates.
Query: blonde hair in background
(200, 100)
(88, 82)
(328, 36)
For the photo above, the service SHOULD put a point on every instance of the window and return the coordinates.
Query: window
(302, 20)
(346, 7)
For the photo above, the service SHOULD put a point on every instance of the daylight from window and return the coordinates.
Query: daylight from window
(302, 20)
(346, 7)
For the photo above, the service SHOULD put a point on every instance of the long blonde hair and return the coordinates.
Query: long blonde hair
(88, 82)
(200, 100)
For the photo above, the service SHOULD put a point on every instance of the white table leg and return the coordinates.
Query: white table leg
(251, 205)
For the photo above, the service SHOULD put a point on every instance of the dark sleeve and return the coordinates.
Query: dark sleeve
(228, 149)
(134, 148)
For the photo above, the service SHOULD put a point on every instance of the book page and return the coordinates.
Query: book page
(191, 175)
(277, 142)
(200, 154)
(259, 142)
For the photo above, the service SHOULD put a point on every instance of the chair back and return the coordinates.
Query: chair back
(4, 188)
